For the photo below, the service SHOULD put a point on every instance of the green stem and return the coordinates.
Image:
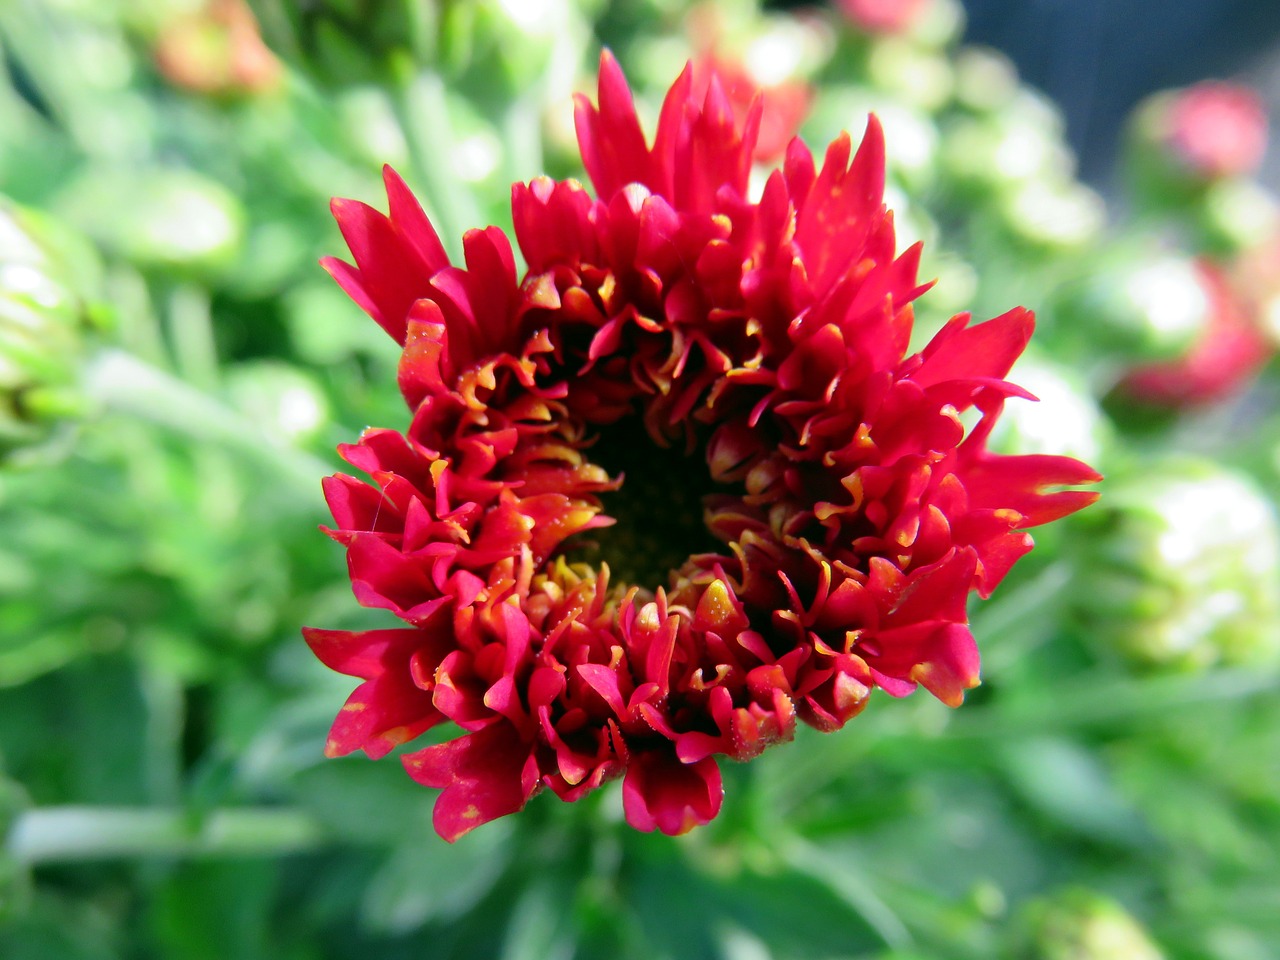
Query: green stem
(122, 383)
(191, 330)
(77, 833)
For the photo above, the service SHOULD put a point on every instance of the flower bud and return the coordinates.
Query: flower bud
(883, 16)
(1183, 568)
(1210, 130)
(1183, 141)
(46, 276)
(1140, 305)
(1078, 924)
(217, 50)
(165, 219)
(282, 399)
(1228, 349)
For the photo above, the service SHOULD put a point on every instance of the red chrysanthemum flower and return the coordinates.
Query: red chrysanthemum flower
(671, 340)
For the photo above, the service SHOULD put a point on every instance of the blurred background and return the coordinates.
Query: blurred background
(176, 370)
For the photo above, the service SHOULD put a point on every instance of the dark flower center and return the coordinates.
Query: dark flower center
(658, 509)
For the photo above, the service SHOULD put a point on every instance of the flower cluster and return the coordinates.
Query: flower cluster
(849, 515)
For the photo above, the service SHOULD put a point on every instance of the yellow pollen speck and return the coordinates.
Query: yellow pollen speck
(353, 707)
(471, 813)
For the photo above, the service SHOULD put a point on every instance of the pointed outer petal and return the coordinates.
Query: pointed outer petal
(998, 542)
(387, 451)
(369, 653)
(656, 721)
(710, 153)
(799, 171)
(1022, 483)
(942, 657)
(382, 576)
(939, 592)
(988, 349)
(389, 709)
(552, 517)
(662, 793)
(657, 658)
(491, 270)
(732, 451)
(671, 120)
(504, 698)
(424, 364)
(485, 775)
(357, 506)
(380, 715)
(412, 225)
(553, 223)
(964, 393)
(609, 138)
(659, 228)
(349, 279)
(842, 207)
(390, 273)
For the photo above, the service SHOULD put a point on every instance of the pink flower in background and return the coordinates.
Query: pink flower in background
(1216, 129)
(883, 16)
(800, 510)
(219, 50)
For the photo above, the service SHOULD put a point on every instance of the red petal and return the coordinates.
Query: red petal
(662, 793)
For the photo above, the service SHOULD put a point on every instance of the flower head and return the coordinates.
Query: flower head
(1215, 129)
(217, 50)
(749, 351)
(883, 16)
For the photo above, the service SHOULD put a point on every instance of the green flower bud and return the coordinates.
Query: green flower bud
(1238, 215)
(46, 274)
(1079, 924)
(917, 76)
(986, 80)
(168, 220)
(1054, 214)
(280, 398)
(1183, 568)
(998, 152)
(1143, 305)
